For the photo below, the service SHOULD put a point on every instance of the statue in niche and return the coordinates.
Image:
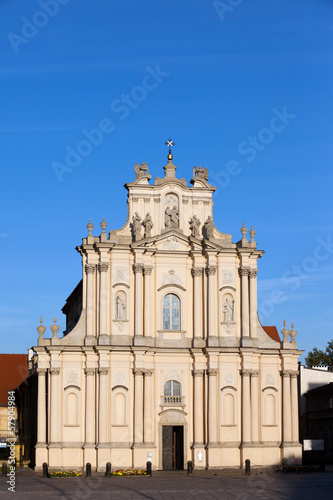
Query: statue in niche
(200, 173)
(120, 308)
(171, 217)
(195, 226)
(228, 310)
(136, 226)
(209, 227)
(142, 171)
(148, 225)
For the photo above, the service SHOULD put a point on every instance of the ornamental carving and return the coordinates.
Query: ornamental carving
(212, 371)
(120, 275)
(138, 371)
(138, 268)
(196, 271)
(171, 278)
(120, 307)
(90, 268)
(147, 270)
(41, 371)
(246, 373)
(198, 373)
(103, 267)
(228, 277)
(90, 371)
(253, 273)
(141, 171)
(103, 371)
(147, 373)
(229, 378)
(148, 225)
(195, 227)
(72, 377)
(171, 244)
(54, 371)
(243, 271)
(228, 310)
(211, 270)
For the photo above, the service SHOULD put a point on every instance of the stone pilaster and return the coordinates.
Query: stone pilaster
(286, 410)
(253, 303)
(138, 405)
(103, 297)
(90, 304)
(54, 406)
(148, 407)
(244, 274)
(246, 406)
(212, 408)
(198, 407)
(41, 410)
(90, 407)
(103, 423)
(254, 406)
(198, 340)
(294, 407)
(147, 270)
(212, 317)
(138, 309)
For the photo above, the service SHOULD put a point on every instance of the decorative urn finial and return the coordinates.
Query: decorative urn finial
(41, 329)
(90, 227)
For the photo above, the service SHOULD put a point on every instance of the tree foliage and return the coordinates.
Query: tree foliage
(317, 357)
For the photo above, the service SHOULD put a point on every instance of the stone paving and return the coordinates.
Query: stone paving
(166, 486)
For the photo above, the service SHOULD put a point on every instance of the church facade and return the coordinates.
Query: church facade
(164, 358)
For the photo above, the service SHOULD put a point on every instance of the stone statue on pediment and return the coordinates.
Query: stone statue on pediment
(148, 225)
(200, 173)
(171, 217)
(136, 225)
(142, 171)
(209, 227)
(195, 226)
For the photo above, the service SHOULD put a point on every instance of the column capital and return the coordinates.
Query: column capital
(286, 373)
(41, 371)
(103, 371)
(147, 373)
(254, 373)
(196, 271)
(138, 371)
(212, 371)
(243, 271)
(211, 270)
(103, 267)
(90, 268)
(147, 270)
(198, 373)
(246, 373)
(253, 273)
(293, 374)
(138, 268)
(54, 371)
(90, 371)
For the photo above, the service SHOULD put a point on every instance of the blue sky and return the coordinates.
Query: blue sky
(244, 89)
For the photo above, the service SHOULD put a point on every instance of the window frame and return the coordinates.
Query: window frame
(170, 309)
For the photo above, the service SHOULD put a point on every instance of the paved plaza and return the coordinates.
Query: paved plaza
(290, 486)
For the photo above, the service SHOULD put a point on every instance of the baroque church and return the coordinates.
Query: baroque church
(164, 358)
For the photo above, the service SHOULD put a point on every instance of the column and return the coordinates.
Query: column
(294, 407)
(246, 406)
(103, 297)
(90, 406)
(138, 405)
(286, 406)
(244, 272)
(147, 270)
(253, 303)
(41, 410)
(90, 306)
(212, 329)
(103, 399)
(254, 406)
(148, 420)
(138, 268)
(54, 408)
(197, 306)
(198, 406)
(212, 410)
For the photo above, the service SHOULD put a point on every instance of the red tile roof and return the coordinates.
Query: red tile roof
(272, 332)
(13, 370)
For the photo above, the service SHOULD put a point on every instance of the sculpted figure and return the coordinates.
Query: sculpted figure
(200, 173)
(121, 308)
(174, 217)
(136, 226)
(195, 226)
(141, 170)
(167, 217)
(148, 225)
(228, 310)
(209, 227)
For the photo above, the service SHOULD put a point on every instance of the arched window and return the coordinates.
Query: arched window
(172, 388)
(171, 312)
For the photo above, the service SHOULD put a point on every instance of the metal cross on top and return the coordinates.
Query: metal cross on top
(169, 143)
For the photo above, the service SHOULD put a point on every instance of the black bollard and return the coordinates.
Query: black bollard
(247, 467)
(148, 468)
(284, 465)
(108, 469)
(189, 467)
(88, 469)
(4, 469)
(45, 470)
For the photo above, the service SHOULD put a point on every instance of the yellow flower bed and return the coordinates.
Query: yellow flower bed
(66, 473)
